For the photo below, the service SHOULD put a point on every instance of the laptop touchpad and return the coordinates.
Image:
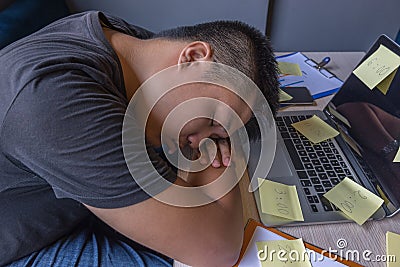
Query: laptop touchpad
(280, 167)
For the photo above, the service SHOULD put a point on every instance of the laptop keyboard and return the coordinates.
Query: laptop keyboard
(319, 167)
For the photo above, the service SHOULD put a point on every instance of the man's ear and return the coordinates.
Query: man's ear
(196, 51)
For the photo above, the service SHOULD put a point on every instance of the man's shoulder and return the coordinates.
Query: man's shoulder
(121, 25)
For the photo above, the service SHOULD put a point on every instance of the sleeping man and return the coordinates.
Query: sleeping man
(71, 192)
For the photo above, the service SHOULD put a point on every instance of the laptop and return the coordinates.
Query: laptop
(366, 119)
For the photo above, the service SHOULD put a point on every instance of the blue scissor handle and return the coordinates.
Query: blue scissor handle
(324, 61)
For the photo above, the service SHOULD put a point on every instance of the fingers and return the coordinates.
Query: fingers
(204, 157)
(218, 158)
(225, 151)
(224, 155)
(212, 154)
(171, 146)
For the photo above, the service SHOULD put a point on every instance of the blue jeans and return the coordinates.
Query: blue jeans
(90, 246)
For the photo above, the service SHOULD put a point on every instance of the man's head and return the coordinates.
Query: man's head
(239, 46)
(234, 44)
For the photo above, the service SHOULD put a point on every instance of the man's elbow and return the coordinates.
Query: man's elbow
(223, 252)
(228, 258)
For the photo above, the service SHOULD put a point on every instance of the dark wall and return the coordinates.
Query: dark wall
(157, 15)
(334, 25)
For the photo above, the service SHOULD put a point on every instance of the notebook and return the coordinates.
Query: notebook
(368, 120)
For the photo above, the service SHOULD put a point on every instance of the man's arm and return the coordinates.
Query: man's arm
(209, 235)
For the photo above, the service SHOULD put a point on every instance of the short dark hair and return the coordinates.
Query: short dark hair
(237, 45)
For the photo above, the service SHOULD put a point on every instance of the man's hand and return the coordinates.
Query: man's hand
(221, 157)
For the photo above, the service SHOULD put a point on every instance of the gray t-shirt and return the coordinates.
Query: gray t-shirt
(62, 105)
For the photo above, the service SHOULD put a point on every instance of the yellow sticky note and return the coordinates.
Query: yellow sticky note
(384, 85)
(354, 200)
(315, 129)
(280, 200)
(280, 253)
(289, 68)
(283, 96)
(392, 249)
(377, 66)
(397, 157)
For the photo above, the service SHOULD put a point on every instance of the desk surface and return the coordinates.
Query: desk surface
(368, 237)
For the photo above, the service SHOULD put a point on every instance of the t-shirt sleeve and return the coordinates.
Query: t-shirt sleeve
(120, 25)
(67, 130)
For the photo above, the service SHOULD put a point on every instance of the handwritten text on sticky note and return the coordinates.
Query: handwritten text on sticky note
(377, 66)
(354, 200)
(280, 200)
(392, 249)
(280, 253)
(315, 129)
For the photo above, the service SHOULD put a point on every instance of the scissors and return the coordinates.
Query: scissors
(324, 61)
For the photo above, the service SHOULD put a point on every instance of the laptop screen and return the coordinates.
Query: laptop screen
(369, 121)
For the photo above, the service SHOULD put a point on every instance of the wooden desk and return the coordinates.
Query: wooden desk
(368, 237)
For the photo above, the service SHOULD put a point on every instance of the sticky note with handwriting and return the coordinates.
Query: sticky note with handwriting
(315, 129)
(289, 68)
(280, 200)
(377, 66)
(384, 85)
(392, 249)
(283, 96)
(397, 157)
(280, 253)
(355, 201)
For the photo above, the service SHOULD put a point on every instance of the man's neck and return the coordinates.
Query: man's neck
(140, 59)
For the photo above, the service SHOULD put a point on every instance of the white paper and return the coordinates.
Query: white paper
(250, 258)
